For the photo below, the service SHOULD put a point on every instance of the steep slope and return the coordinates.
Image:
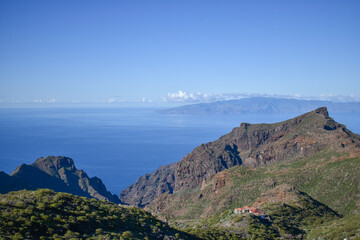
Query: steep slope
(330, 177)
(150, 186)
(45, 214)
(58, 174)
(250, 145)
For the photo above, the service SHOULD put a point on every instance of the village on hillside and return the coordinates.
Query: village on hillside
(250, 210)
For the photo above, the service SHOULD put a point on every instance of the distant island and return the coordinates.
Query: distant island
(263, 105)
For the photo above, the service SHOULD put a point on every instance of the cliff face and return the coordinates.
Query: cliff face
(250, 145)
(58, 174)
(150, 186)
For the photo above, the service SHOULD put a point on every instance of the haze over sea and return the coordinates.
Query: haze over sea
(116, 144)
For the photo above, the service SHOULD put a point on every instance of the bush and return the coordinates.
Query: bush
(127, 234)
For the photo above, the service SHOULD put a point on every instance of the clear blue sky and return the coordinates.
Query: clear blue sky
(98, 50)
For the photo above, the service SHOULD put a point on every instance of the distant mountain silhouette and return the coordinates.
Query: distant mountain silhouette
(263, 105)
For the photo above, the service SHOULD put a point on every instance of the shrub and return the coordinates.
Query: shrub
(127, 234)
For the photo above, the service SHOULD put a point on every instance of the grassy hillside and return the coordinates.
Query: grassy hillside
(331, 177)
(328, 176)
(44, 214)
(288, 213)
(348, 227)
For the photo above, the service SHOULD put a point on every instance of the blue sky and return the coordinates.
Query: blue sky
(92, 51)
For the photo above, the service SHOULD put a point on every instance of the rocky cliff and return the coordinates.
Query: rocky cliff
(58, 174)
(251, 145)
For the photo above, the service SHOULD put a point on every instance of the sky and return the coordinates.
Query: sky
(133, 51)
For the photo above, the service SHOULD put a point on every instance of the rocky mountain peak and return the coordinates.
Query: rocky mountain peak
(60, 174)
(251, 145)
(56, 162)
(244, 125)
(322, 111)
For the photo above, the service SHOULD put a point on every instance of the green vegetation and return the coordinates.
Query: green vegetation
(215, 233)
(300, 161)
(261, 229)
(329, 177)
(44, 214)
(282, 221)
(212, 227)
(290, 221)
(348, 227)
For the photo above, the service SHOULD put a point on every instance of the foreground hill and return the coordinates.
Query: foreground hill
(261, 105)
(44, 214)
(58, 174)
(293, 142)
(285, 213)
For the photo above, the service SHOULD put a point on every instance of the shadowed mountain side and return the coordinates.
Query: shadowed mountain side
(251, 145)
(150, 186)
(58, 174)
(261, 105)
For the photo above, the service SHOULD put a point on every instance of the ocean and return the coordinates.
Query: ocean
(116, 144)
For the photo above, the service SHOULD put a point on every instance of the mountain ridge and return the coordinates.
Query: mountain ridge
(59, 174)
(250, 145)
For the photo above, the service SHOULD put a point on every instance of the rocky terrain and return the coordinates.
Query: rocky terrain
(302, 175)
(58, 174)
(250, 145)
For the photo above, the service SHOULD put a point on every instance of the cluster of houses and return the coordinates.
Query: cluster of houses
(249, 210)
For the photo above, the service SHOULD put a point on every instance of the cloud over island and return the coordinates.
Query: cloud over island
(199, 97)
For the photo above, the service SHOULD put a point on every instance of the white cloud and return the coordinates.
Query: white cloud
(297, 96)
(184, 97)
(53, 100)
(112, 100)
(339, 98)
(144, 100)
(181, 96)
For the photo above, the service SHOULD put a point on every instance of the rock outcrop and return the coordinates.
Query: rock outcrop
(58, 174)
(250, 145)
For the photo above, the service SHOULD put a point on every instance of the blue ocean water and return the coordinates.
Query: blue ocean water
(116, 144)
